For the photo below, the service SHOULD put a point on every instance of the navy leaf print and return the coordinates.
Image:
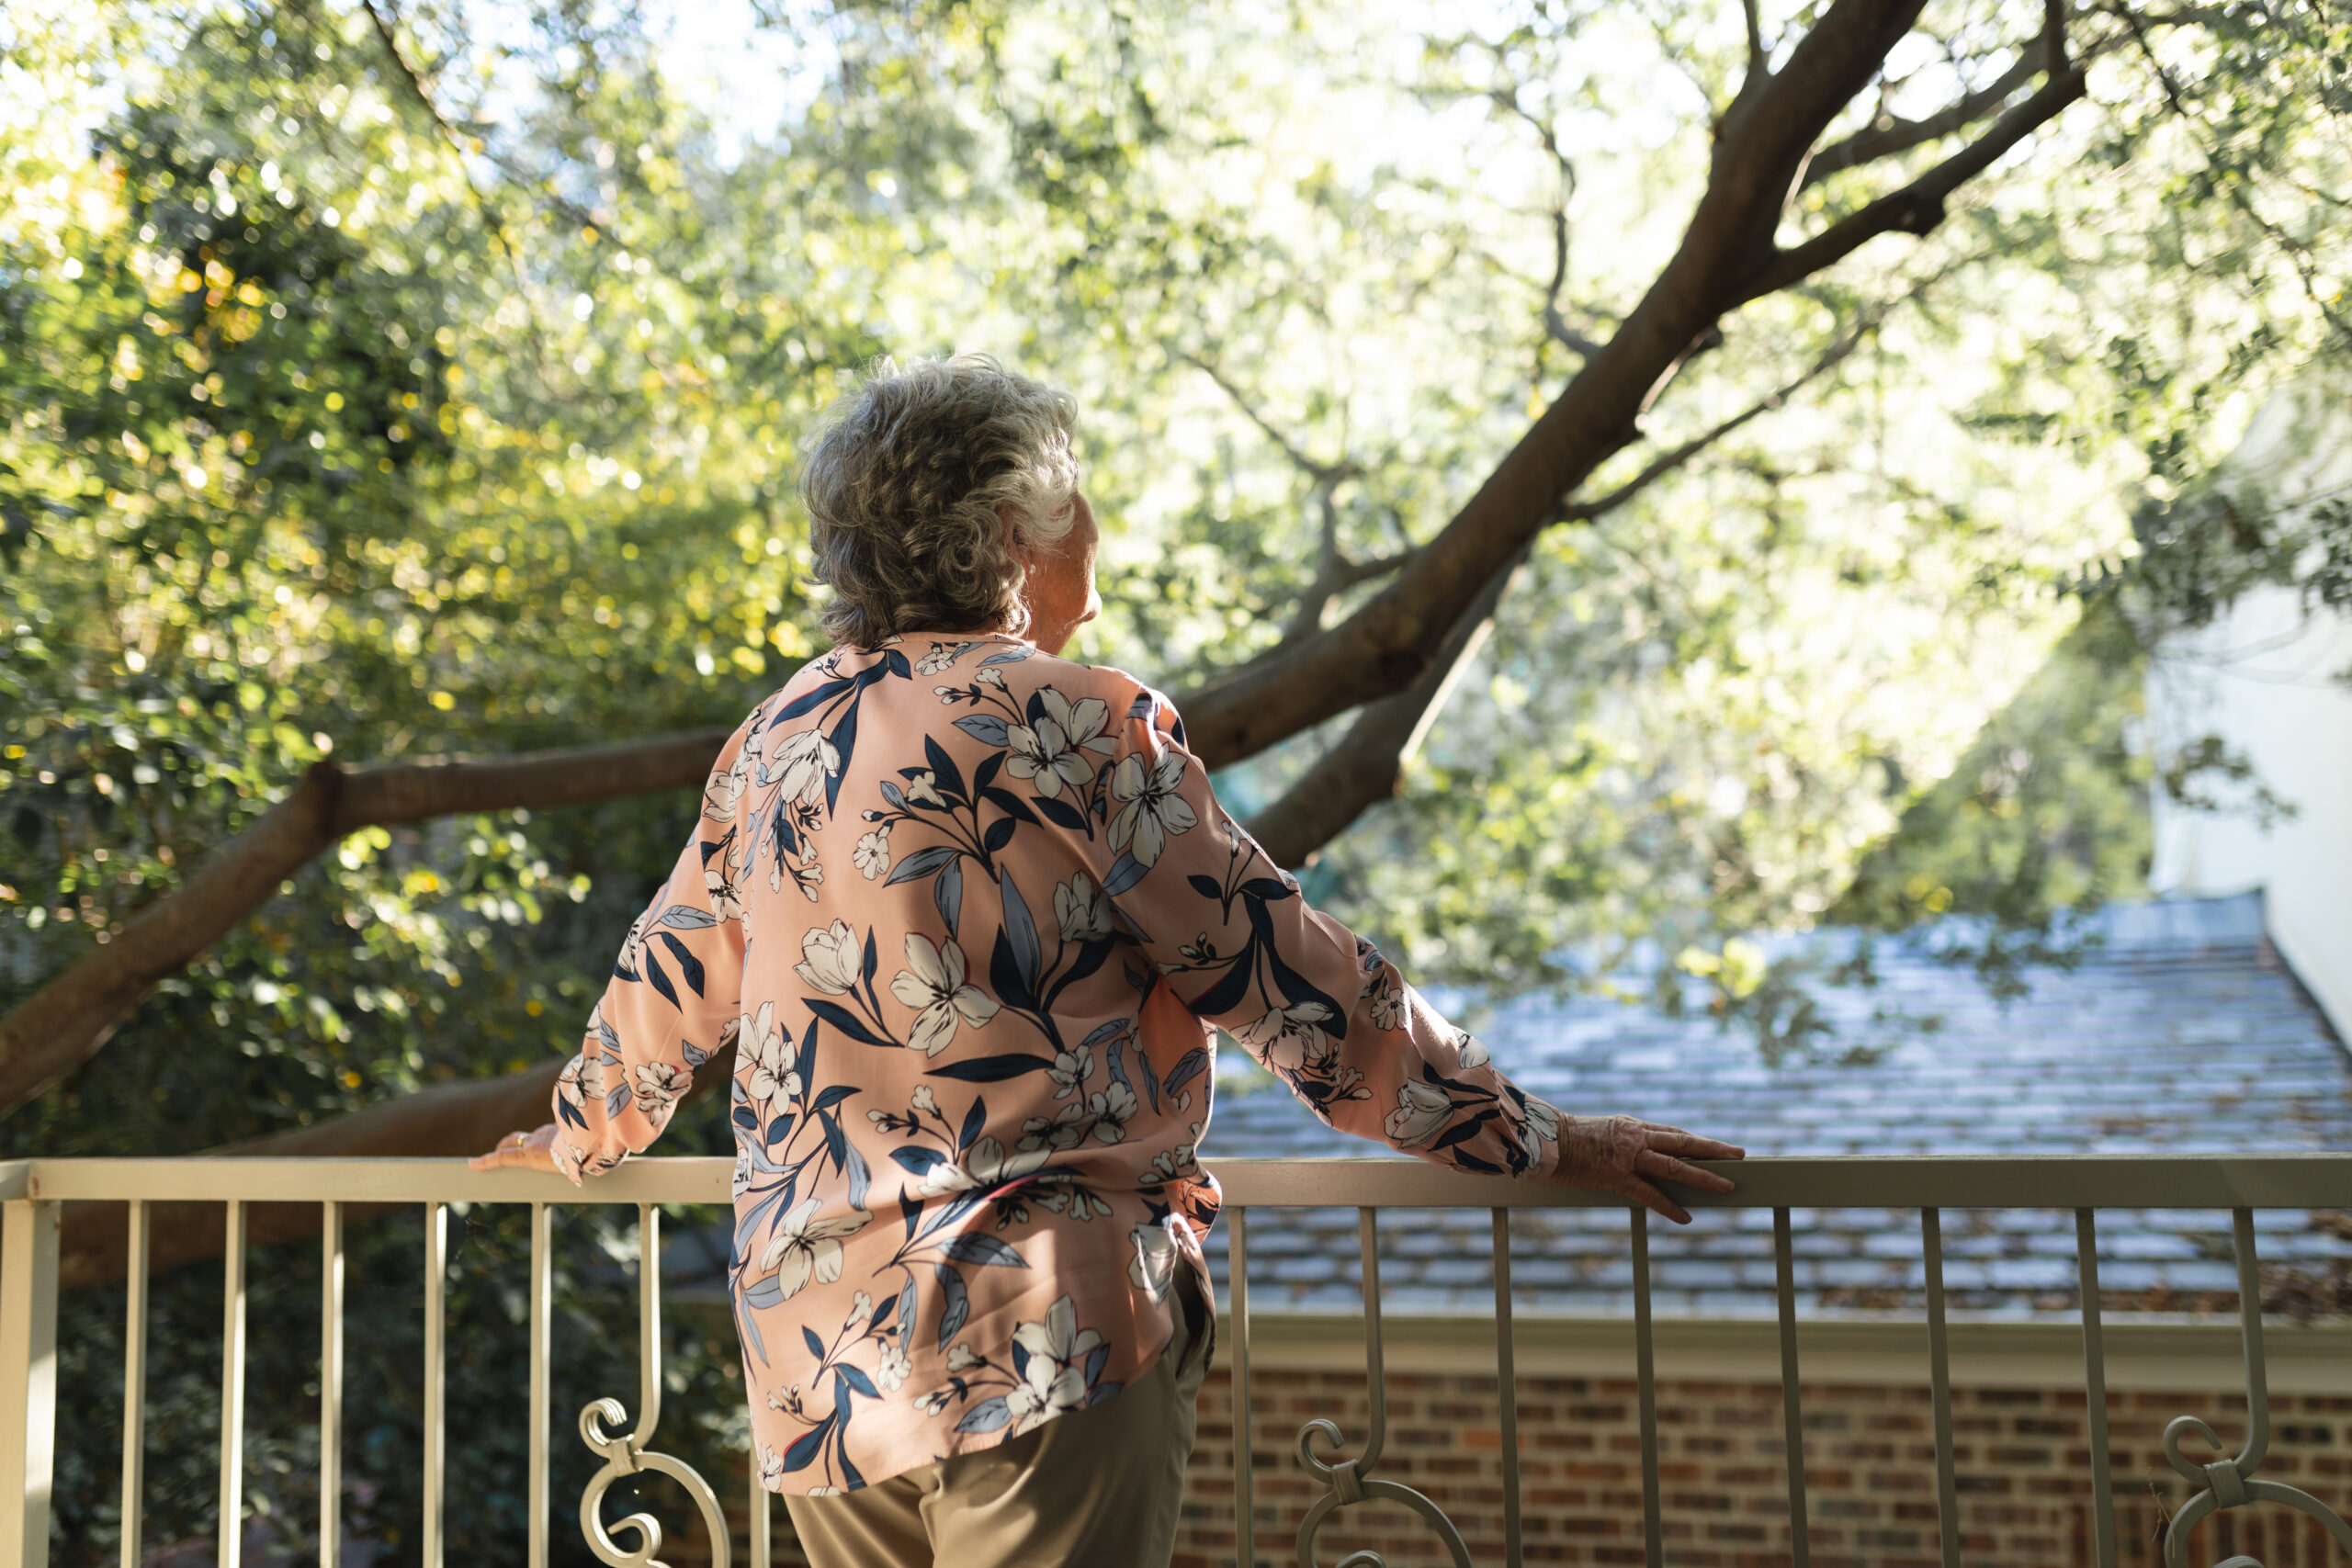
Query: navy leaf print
(816, 1346)
(911, 1209)
(1062, 813)
(991, 1069)
(955, 1303)
(1000, 834)
(857, 1380)
(974, 1120)
(918, 1159)
(844, 739)
(948, 892)
(986, 1417)
(688, 965)
(853, 1167)
(1022, 930)
(814, 699)
(833, 1096)
(1188, 1066)
(986, 729)
(983, 1249)
(661, 981)
(844, 1019)
(1124, 873)
(951, 778)
(1004, 800)
(1004, 974)
(803, 1454)
(922, 862)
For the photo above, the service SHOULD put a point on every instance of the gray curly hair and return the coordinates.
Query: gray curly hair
(908, 485)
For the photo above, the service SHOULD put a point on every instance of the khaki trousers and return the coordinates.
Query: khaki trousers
(1099, 1487)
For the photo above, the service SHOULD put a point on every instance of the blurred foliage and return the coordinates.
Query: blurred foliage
(381, 405)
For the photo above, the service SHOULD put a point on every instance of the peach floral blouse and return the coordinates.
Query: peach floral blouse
(967, 913)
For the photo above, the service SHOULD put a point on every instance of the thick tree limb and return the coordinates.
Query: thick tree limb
(64, 1023)
(1762, 143)
(1899, 136)
(448, 1120)
(1368, 763)
(1918, 208)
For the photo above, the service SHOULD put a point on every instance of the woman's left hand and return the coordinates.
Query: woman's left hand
(521, 1151)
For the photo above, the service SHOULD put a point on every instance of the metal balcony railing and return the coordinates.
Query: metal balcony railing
(32, 1191)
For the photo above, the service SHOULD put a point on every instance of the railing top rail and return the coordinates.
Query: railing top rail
(1993, 1181)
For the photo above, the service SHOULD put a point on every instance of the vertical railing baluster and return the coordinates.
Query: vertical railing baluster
(29, 1233)
(542, 1293)
(1646, 1375)
(756, 1517)
(1931, 1248)
(2258, 1382)
(436, 1269)
(1245, 1533)
(1507, 1388)
(2095, 1387)
(1792, 1412)
(134, 1381)
(330, 1385)
(1376, 1371)
(648, 1316)
(233, 1383)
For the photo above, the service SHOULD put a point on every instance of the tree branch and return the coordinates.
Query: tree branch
(1761, 142)
(1367, 764)
(1323, 473)
(1918, 208)
(1899, 136)
(64, 1023)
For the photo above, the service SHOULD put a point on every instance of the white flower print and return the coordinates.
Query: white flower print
(1388, 999)
(1473, 1051)
(1082, 909)
(770, 1050)
(1043, 754)
(659, 1085)
(892, 1369)
(633, 946)
(985, 1163)
(744, 1174)
(936, 987)
(725, 789)
(771, 1469)
(940, 656)
(802, 764)
(1053, 1379)
(1152, 812)
(961, 1357)
(1066, 1130)
(1071, 1067)
(1153, 1267)
(806, 1247)
(935, 1402)
(1113, 1108)
(726, 895)
(861, 1307)
(1422, 1110)
(872, 855)
(990, 677)
(923, 789)
(829, 958)
(1082, 722)
(1290, 1038)
(924, 1101)
(1542, 1126)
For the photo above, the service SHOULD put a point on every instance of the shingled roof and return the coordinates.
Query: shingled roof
(2178, 1030)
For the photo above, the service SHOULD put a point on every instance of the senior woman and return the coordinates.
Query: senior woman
(969, 912)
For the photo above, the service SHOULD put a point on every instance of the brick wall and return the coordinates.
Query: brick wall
(2021, 1459)
(2020, 1456)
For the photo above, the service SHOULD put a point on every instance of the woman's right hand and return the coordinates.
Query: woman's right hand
(521, 1151)
(1624, 1154)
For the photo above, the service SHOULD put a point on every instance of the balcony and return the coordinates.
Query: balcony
(1644, 1493)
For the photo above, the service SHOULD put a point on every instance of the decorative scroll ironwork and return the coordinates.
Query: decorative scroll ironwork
(2230, 1482)
(1346, 1477)
(625, 1453)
